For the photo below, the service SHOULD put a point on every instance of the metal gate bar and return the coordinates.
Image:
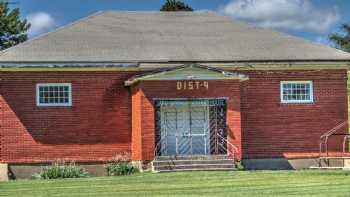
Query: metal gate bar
(216, 126)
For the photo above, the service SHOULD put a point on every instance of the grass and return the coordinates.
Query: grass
(239, 183)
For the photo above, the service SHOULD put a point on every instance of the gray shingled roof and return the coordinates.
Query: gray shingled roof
(118, 36)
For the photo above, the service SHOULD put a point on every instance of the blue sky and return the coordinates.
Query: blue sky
(310, 19)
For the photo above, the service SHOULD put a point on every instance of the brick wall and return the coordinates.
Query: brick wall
(136, 132)
(272, 129)
(99, 124)
(96, 127)
(167, 89)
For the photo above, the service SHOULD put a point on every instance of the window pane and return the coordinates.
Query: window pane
(54, 94)
(296, 91)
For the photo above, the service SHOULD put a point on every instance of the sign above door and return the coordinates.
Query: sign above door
(189, 73)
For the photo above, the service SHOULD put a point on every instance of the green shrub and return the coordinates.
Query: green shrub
(120, 165)
(121, 168)
(239, 165)
(61, 170)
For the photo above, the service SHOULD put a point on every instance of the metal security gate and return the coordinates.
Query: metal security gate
(190, 127)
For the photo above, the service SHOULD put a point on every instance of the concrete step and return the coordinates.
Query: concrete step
(189, 162)
(194, 167)
(329, 168)
(331, 157)
(331, 162)
(192, 163)
(191, 170)
(192, 157)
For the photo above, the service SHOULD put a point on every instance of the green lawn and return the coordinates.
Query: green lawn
(240, 183)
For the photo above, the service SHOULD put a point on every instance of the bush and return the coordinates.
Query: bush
(239, 165)
(61, 170)
(121, 168)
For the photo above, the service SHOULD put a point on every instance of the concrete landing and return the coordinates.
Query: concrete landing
(4, 172)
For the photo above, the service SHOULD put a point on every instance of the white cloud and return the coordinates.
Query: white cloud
(41, 22)
(324, 41)
(295, 15)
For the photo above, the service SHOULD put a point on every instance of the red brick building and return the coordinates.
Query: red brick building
(161, 84)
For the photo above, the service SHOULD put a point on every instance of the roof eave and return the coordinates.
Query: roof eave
(138, 62)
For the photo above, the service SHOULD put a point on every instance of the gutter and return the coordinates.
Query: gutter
(138, 63)
(147, 66)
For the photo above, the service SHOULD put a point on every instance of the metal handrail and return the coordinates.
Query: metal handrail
(333, 130)
(230, 151)
(346, 137)
(324, 139)
(156, 147)
(235, 149)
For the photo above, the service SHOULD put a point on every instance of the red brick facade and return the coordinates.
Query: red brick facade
(167, 89)
(108, 118)
(272, 129)
(95, 128)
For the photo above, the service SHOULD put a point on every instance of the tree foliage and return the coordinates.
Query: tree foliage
(342, 41)
(175, 5)
(13, 30)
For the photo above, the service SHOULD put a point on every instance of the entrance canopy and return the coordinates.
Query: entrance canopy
(187, 72)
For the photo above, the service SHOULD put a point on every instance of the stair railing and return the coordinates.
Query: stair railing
(230, 149)
(158, 149)
(325, 137)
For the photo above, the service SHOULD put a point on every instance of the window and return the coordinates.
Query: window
(296, 92)
(54, 94)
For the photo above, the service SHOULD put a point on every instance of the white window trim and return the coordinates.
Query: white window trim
(38, 85)
(311, 100)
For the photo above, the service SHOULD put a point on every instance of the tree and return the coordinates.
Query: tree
(175, 5)
(13, 30)
(342, 41)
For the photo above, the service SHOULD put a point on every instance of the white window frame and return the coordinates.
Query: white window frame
(311, 100)
(38, 85)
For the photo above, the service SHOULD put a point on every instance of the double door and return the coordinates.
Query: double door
(185, 128)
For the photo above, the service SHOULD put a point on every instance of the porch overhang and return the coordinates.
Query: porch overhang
(187, 72)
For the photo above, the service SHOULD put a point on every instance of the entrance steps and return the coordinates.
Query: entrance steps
(192, 163)
(333, 163)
